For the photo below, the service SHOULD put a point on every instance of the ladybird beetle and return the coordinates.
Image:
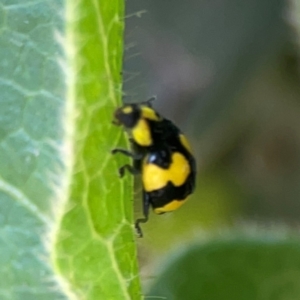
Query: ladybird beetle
(161, 154)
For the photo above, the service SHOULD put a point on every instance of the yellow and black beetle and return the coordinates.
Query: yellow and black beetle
(161, 154)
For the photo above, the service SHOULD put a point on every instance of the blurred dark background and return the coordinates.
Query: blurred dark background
(226, 72)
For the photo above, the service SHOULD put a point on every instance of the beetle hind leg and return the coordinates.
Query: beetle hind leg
(146, 206)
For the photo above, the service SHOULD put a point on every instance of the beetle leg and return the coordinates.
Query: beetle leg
(129, 168)
(123, 151)
(127, 153)
(146, 206)
(135, 169)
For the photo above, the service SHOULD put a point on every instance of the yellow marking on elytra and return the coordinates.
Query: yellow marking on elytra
(149, 113)
(141, 133)
(173, 205)
(155, 177)
(185, 143)
(127, 110)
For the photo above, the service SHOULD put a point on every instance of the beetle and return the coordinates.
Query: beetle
(161, 154)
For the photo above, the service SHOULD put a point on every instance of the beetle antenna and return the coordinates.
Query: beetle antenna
(150, 100)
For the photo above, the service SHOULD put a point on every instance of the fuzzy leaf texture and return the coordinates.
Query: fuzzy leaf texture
(66, 228)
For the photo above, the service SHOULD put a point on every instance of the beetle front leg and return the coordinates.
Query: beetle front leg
(123, 151)
(129, 168)
(135, 156)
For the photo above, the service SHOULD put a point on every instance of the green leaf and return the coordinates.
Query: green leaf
(262, 266)
(30, 137)
(66, 218)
